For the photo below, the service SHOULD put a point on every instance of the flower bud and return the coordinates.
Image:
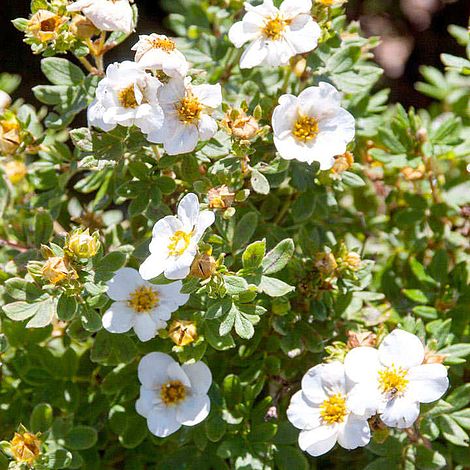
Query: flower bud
(5, 100)
(366, 338)
(353, 261)
(204, 266)
(240, 125)
(82, 244)
(183, 332)
(55, 270)
(326, 263)
(44, 25)
(413, 174)
(25, 447)
(82, 28)
(343, 162)
(15, 170)
(9, 136)
(220, 197)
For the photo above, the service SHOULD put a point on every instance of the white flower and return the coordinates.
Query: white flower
(174, 240)
(107, 15)
(392, 380)
(158, 52)
(275, 34)
(126, 96)
(313, 126)
(187, 111)
(140, 305)
(172, 395)
(5, 100)
(321, 410)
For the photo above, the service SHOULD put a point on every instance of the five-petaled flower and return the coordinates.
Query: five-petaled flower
(141, 305)
(392, 380)
(312, 126)
(159, 52)
(321, 410)
(126, 96)
(171, 395)
(275, 34)
(175, 239)
(187, 110)
(107, 15)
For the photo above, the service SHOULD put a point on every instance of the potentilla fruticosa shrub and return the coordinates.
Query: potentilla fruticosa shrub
(247, 259)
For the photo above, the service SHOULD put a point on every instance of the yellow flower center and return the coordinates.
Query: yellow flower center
(173, 392)
(126, 97)
(166, 44)
(393, 380)
(189, 109)
(305, 128)
(179, 241)
(143, 299)
(333, 409)
(274, 28)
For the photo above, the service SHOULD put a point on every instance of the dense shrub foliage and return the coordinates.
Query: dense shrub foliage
(248, 259)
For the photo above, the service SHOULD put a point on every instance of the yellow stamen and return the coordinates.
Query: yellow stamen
(143, 299)
(274, 28)
(189, 109)
(179, 241)
(333, 409)
(166, 44)
(173, 392)
(393, 380)
(126, 97)
(305, 128)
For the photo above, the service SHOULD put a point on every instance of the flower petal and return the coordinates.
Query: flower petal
(200, 377)
(119, 318)
(162, 421)
(292, 8)
(242, 32)
(400, 412)
(324, 380)
(176, 372)
(401, 349)
(193, 410)
(364, 399)
(318, 441)
(146, 401)
(207, 127)
(153, 369)
(354, 433)
(178, 268)
(124, 282)
(205, 220)
(188, 211)
(153, 266)
(427, 382)
(145, 328)
(361, 364)
(183, 141)
(302, 413)
(209, 95)
(254, 54)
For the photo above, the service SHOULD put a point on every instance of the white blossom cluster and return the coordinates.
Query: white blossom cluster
(155, 93)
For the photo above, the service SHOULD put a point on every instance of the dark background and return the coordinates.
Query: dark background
(414, 33)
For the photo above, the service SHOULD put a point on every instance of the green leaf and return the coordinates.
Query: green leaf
(212, 336)
(20, 289)
(352, 180)
(245, 229)
(452, 431)
(429, 459)
(41, 418)
(243, 326)
(90, 318)
(455, 351)
(20, 311)
(418, 270)
(215, 428)
(278, 257)
(235, 284)
(416, 295)
(61, 71)
(253, 255)
(274, 287)
(66, 307)
(112, 262)
(134, 433)
(460, 396)
(111, 349)
(259, 182)
(43, 228)
(59, 458)
(81, 437)
(290, 458)
(426, 312)
(228, 322)
(44, 315)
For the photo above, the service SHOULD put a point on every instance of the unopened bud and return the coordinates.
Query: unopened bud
(343, 162)
(240, 125)
(203, 266)
(55, 270)
(44, 25)
(220, 197)
(15, 170)
(82, 28)
(299, 67)
(353, 261)
(183, 332)
(326, 263)
(366, 338)
(9, 136)
(82, 244)
(413, 174)
(422, 135)
(25, 447)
